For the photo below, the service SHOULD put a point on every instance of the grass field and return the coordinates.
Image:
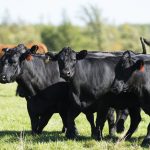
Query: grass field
(15, 129)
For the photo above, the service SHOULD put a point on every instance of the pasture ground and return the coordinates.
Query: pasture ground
(15, 129)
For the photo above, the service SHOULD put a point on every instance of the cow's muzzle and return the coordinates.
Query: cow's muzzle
(3, 78)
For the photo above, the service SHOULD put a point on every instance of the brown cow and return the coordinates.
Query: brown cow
(42, 47)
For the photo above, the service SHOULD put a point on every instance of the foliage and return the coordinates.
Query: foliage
(95, 34)
(110, 38)
(14, 34)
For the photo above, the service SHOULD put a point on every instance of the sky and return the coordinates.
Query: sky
(50, 11)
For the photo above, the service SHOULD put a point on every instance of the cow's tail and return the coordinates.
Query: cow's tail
(143, 45)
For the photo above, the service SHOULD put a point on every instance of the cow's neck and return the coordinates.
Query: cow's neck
(34, 76)
(38, 75)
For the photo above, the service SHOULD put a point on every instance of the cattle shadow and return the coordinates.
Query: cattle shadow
(55, 136)
(13, 136)
(113, 139)
(117, 139)
(46, 136)
(139, 139)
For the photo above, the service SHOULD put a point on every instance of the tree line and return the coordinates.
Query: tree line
(95, 34)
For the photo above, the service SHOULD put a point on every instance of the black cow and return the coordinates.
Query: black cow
(133, 77)
(91, 81)
(40, 83)
(121, 115)
(35, 85)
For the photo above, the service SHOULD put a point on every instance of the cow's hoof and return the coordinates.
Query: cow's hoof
(97, 137)
(76, 132)
(33, 133)
(64, 129)
(120, 127)
(39, 132)
(93, 134)
(70, 135)
(146, 142)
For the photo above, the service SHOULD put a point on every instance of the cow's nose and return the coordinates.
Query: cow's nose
(3, 78)
(68, 73)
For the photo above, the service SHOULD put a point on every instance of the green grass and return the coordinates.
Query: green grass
(15, 129)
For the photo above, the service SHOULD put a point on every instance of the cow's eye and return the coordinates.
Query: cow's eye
(15, 63)
(73, 59)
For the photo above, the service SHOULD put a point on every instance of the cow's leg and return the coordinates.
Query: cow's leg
(90, 118)
(100, 121)
(71, 128)
(146, 140)
(64, 120)
(135, 120)
(43, 122)
(34, 123)
(121, 117)
(111, 122)
(34, 118)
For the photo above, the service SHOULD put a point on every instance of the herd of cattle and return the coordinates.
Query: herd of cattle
(72, 82)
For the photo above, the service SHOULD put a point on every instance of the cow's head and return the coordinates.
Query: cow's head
(13, 60)
(129, 70)
(67, 59)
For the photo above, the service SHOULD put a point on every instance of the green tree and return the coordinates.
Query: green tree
(93, 20)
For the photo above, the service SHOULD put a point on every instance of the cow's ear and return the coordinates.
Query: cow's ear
(82, 54)
(52, 56)
(126, 55)
(34, 49)
(4, 49)
(139, 65)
